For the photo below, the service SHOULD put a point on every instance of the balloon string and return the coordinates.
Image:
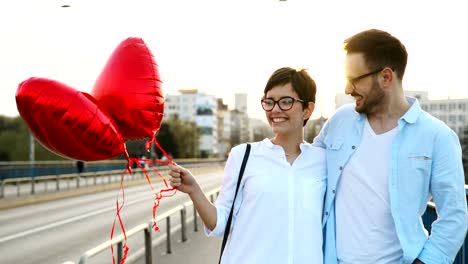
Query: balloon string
(117, 216)
(164, 192)
(158, 196)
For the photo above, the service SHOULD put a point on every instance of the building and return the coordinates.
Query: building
(451, 111)
(191, 106)
(183, 105)
(224, 129)
(221, 128)
(240, 119)
(207, 120)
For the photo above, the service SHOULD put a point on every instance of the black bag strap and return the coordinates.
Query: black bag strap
(228, 224)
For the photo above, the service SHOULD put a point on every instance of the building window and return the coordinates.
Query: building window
(206, 131)
(433, 107)
(443, 107)
(452, 106)
(461, 118)
(452, 119)
(204, 111)
(461, 106)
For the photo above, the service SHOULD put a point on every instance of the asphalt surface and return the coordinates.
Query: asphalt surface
(197, 249)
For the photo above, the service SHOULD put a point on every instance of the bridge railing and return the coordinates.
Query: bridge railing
(19, 169)
(146, 229)
(18, 186)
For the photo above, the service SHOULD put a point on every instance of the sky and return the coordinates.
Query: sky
(223, 47)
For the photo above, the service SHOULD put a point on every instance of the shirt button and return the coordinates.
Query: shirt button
(341, 167)
(326, 213)
(333, 191)
(353, 147)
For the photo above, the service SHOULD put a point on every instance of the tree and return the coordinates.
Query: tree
(261, 133)
(14, 142)
(313, 128)
(177, 138)
(186, 138)
(166, 139)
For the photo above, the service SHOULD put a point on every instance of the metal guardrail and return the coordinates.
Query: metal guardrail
(19, 169)
(146, 228)
(67, 178)
(75, 180)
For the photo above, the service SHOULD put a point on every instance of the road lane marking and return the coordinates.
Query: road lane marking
(76, 218)
(63, 222)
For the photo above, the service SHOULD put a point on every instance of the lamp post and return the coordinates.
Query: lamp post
(31, 161)
(31, 149)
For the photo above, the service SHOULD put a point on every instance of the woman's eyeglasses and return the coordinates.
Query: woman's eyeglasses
(284, 103)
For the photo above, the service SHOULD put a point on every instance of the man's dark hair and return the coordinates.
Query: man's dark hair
(380, 49)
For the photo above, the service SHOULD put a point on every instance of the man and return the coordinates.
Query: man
(386, 158)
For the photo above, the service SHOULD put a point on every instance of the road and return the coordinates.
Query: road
(60, 231)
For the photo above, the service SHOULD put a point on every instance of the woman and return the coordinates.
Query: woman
(278, 210)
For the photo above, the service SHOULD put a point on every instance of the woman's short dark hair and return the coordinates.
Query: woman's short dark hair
(299, 79)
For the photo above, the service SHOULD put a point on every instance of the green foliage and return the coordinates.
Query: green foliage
(15, 142)
(14, 139)
(312, 128)
(261, 133)
(177, 138)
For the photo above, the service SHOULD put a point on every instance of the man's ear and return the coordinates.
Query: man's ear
(388, 77)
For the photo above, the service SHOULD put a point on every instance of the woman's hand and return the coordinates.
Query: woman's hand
(182, 179)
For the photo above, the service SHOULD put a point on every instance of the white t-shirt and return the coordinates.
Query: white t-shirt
(365, 230)
(278, 210)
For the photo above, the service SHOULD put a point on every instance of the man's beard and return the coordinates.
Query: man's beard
(372, 100)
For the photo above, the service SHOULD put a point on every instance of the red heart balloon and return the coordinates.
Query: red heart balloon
(67, 121)
(129, 90)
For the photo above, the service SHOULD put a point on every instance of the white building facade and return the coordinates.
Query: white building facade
(451, 111)
(221, 128)
(201, 109)
(240, 119)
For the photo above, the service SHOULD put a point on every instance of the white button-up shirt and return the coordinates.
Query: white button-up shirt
(278, 210)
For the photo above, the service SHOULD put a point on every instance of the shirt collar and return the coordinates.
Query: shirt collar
(410, 116)
(270, 144)
(413, 112)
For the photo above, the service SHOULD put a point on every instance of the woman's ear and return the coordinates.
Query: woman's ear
(309, 110)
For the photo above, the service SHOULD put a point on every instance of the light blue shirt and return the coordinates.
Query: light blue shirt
(426, 162)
